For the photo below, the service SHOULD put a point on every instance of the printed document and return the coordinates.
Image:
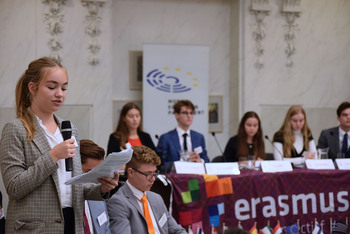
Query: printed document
(113, 162)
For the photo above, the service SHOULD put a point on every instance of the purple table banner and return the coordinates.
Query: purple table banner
(301, 196)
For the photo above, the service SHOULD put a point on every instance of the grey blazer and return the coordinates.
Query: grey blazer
(31, 181)
(96, 209)
(330, 138)
(126, 216)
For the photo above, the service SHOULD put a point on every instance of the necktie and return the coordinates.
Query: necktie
(147, 215)
(185, 142)
(86, 224)
(344, 148)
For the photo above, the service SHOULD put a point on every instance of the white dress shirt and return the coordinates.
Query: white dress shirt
(180, 133)
(62, 174)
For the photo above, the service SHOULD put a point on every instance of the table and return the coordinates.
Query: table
(254, 196)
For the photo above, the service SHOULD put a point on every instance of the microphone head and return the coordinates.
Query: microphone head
(266, 137)
(66, 129)
(156, 136)
(213, 134)
(66, 125)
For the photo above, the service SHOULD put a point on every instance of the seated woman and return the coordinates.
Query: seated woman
(128, 132)
(248, 141)
(294, 138)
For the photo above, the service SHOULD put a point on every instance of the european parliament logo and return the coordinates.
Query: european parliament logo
(177, 82)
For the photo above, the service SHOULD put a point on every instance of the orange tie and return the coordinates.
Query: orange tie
(147, 215)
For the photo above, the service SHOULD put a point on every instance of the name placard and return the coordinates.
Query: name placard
(182, 167)
(276, 166)
(319, 164)
(228, 168)
(343, 163)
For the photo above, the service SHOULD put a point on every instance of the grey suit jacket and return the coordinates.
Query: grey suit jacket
(31, 181)
(330, 138)
(126, 216)
(99, 208)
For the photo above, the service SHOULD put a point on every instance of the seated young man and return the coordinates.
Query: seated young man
(135, 209)
(182, 140)
(337, 139)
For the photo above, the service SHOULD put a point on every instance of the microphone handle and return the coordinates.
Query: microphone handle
(275, 147)
(222, 153)
(69, 164)
(67, 134)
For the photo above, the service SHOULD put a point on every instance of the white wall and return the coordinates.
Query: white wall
(319, 79)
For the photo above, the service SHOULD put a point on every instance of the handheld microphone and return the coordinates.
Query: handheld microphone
(267, 138)
(66, 131)
(156, 136)
(213, 134)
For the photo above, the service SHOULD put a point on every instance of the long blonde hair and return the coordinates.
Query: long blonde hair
(35, 73)
(286, 129)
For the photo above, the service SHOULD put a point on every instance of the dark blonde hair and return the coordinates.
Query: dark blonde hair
(89, 149)
(143, 155)
(258, 141)
(177, 106)
(122, 131)
(35, 73)
(286, 129)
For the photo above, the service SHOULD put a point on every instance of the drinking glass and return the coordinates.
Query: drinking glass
(323, 153)
(251, 161)
(185, 156)
(243, 162)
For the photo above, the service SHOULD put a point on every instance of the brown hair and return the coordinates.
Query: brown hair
(341, 107)
(142, 155)
(36, 72)
(89, 149)
(258, 141)
(286, 129)
(177, 106)
(122, 131)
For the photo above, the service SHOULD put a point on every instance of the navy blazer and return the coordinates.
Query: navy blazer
(169, 146)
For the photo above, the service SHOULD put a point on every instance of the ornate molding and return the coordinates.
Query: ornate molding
(93, 28)
(54, 19)
(291, 9)
(260, 9)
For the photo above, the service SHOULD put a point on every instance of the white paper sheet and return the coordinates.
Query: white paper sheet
(113, 162)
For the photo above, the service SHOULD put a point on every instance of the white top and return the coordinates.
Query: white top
(138, 194)
(62, 174)
(298, 145)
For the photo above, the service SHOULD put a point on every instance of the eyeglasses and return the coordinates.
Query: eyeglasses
(186, 113)
(149, 176)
